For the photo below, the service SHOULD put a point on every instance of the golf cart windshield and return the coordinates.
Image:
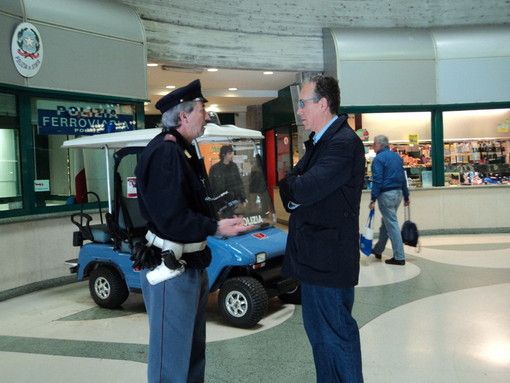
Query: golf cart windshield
(237, 181)
(244, 193)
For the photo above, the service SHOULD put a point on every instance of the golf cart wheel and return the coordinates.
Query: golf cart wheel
(293, 296)
(242, 301)
(107, 288)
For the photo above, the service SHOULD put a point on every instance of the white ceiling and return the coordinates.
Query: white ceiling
(254, 87)
(257, 35)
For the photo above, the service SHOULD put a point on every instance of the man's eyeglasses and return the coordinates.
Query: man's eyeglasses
(301, 103)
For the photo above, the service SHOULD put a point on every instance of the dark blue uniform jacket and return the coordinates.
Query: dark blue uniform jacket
(171, 190)
(323, 240)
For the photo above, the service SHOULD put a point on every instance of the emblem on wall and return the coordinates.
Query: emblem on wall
(27, 49)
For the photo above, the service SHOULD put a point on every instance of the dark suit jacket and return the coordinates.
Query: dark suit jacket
(323, 241)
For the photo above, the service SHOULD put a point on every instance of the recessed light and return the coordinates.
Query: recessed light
(170, 87)
(268, 72)
(152, 64)
(212, 69)
(232, 88)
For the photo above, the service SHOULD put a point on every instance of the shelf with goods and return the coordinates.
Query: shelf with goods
(477, 151)
(467, 161)
(416, 158)
(477, 161)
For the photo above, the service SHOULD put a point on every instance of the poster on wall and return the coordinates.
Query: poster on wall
(82, 118)
(504, 126)
(132, 192)
(363, 134)
(413, 139)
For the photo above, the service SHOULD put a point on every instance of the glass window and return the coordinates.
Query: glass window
(236, 178)
(65, 176)
(10, 182)
(287, 149)
(476, 147)
(409, 134)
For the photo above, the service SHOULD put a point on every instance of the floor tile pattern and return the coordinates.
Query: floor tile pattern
(443, 317)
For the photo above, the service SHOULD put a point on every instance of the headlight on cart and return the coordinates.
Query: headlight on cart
(260, 261)
(260, 257)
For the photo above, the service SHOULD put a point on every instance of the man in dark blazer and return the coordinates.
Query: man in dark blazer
(323, 194)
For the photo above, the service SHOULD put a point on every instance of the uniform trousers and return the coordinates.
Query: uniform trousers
(177, 317)
(332, 332)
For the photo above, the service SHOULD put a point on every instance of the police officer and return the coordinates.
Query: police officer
(172, 193)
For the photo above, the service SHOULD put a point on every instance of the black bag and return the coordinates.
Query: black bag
(410, 233)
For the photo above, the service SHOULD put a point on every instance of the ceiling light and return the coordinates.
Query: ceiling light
(212, 69)
(213, 105)
(268, 72)
(232, 88)
(170, 87)
(152, 64)
(182, 69)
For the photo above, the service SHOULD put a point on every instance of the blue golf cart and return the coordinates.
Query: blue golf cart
(246, 269)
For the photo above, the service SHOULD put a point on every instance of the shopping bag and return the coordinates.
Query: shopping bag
(367, 235)
(409, 230)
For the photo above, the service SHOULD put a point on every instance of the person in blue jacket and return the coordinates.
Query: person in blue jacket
(389, 185)
(172, 197)
(323, 194)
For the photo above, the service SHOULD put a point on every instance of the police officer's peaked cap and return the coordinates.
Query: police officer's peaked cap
(190, 92)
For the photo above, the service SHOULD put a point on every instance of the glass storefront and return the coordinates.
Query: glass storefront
(475, 144)
(476, 147)
(36, 174)
(65, 176)
(10, 164)
(409, 134)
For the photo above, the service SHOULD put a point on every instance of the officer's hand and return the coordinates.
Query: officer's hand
(232, 226)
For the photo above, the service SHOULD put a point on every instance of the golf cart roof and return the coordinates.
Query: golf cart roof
(141, 137)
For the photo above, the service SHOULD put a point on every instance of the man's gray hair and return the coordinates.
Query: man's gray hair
(382, 140)
(171, 118)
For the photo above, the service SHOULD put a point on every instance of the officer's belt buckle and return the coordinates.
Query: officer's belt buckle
(177, 248)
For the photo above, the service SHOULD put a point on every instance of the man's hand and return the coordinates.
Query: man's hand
(371, 205)
(407, 203)
(232, 226)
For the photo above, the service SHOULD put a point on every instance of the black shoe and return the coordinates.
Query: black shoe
(378, 256)
(394, 261)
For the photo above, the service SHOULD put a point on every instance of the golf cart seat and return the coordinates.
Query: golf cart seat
(126, 224)
(129, 227)
(97, 233)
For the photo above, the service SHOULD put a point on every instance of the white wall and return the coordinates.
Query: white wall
(445, 210)
(457, 124)
(398, 126)
(475, 123)
(35, 250)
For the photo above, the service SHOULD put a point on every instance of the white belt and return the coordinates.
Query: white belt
(176, 247)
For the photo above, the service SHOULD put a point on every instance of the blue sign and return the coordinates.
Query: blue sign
(82, 121)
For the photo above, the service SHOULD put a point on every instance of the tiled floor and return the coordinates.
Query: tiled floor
(444, 317)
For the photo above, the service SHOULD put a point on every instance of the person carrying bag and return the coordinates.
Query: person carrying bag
(410, 233)
(367, 235)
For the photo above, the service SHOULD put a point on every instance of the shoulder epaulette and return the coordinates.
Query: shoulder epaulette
(170, 137)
